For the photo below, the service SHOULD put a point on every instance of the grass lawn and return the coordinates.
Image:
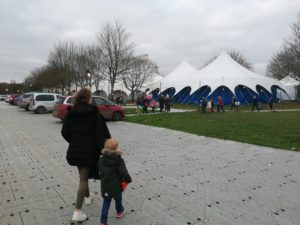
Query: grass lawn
(129, 111)
(245, 107)
(278, 129)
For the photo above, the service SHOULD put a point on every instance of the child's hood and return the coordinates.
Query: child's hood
(111, 157)
(106, 151)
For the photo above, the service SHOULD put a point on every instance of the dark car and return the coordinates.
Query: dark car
(107, 108)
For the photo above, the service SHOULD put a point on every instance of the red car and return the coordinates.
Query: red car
(107, 108)
(12, 98)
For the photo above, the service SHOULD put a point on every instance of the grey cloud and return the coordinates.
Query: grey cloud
(167, 30)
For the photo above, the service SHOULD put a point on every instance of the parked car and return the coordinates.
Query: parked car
(12, 99)
(25, 100)
(61, 106)
(7, 98)
(43, 102)
(3, 97)
(17, 100)
(107, 108)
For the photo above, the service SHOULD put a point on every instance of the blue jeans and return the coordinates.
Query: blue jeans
(106, 206)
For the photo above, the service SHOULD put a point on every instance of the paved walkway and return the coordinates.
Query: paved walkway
(178, 178)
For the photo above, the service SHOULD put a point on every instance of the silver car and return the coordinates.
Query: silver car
(43, 102)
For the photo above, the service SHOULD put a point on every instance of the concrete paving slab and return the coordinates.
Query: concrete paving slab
(178, 178)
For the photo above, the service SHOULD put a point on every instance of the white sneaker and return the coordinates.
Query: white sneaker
(78, 216)
(88, 200)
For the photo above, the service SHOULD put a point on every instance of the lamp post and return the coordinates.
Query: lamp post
(30, 85)
(88, 74)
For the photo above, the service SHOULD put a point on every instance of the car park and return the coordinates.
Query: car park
(107, 108)
(43, 102)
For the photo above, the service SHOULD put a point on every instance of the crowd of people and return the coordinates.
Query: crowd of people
(145, 102)
(209, 105)
(121, 100)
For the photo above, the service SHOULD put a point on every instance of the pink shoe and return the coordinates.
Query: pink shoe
(121, 214)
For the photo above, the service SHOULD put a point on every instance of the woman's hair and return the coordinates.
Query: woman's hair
(82, 96)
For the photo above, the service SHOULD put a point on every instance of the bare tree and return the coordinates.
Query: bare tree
(238, 57)
(95, 65)
(61, 58)
(80, 66)
(113, 40)
(287, 60)
(141, 70)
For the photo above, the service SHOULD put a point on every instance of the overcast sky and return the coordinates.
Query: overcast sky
(167, 30)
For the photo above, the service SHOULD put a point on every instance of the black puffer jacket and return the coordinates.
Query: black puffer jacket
(85, 130)
(113, 171)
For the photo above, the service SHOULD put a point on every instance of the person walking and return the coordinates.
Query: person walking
(153, 105)
(85, 129)
(139, 104)
(145, 104)
(255, 103)
(212, 105)
(271, 104)
(203, 105)
(220, 104)
(114, 179)
(161, 101)
(167, 104)
(233, 103)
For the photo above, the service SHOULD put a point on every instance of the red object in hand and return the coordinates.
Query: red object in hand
(123, 185)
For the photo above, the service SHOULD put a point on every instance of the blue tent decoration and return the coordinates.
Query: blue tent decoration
(169, 91)
(224, 92)
(275, 89)
(264, 94)
(245, 94)
(182, 94)
(199, 93)
(154, 93)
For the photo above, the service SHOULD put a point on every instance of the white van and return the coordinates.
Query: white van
(43, 102)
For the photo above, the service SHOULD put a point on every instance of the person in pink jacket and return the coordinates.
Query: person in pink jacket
(153, 105)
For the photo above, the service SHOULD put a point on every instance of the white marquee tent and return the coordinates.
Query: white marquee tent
(223, 77)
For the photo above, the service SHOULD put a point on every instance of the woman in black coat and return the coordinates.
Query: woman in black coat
(85, 130)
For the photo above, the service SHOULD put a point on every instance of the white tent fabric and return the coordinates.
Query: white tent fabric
(182, 71)
(222, 71)
(290, 85)
(176, 78)
(288, 80)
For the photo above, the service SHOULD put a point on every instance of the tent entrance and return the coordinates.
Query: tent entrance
(264, 94)
(195, 97)
(279, 93)
(224, 92)
(182, 94)
(245, 94)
